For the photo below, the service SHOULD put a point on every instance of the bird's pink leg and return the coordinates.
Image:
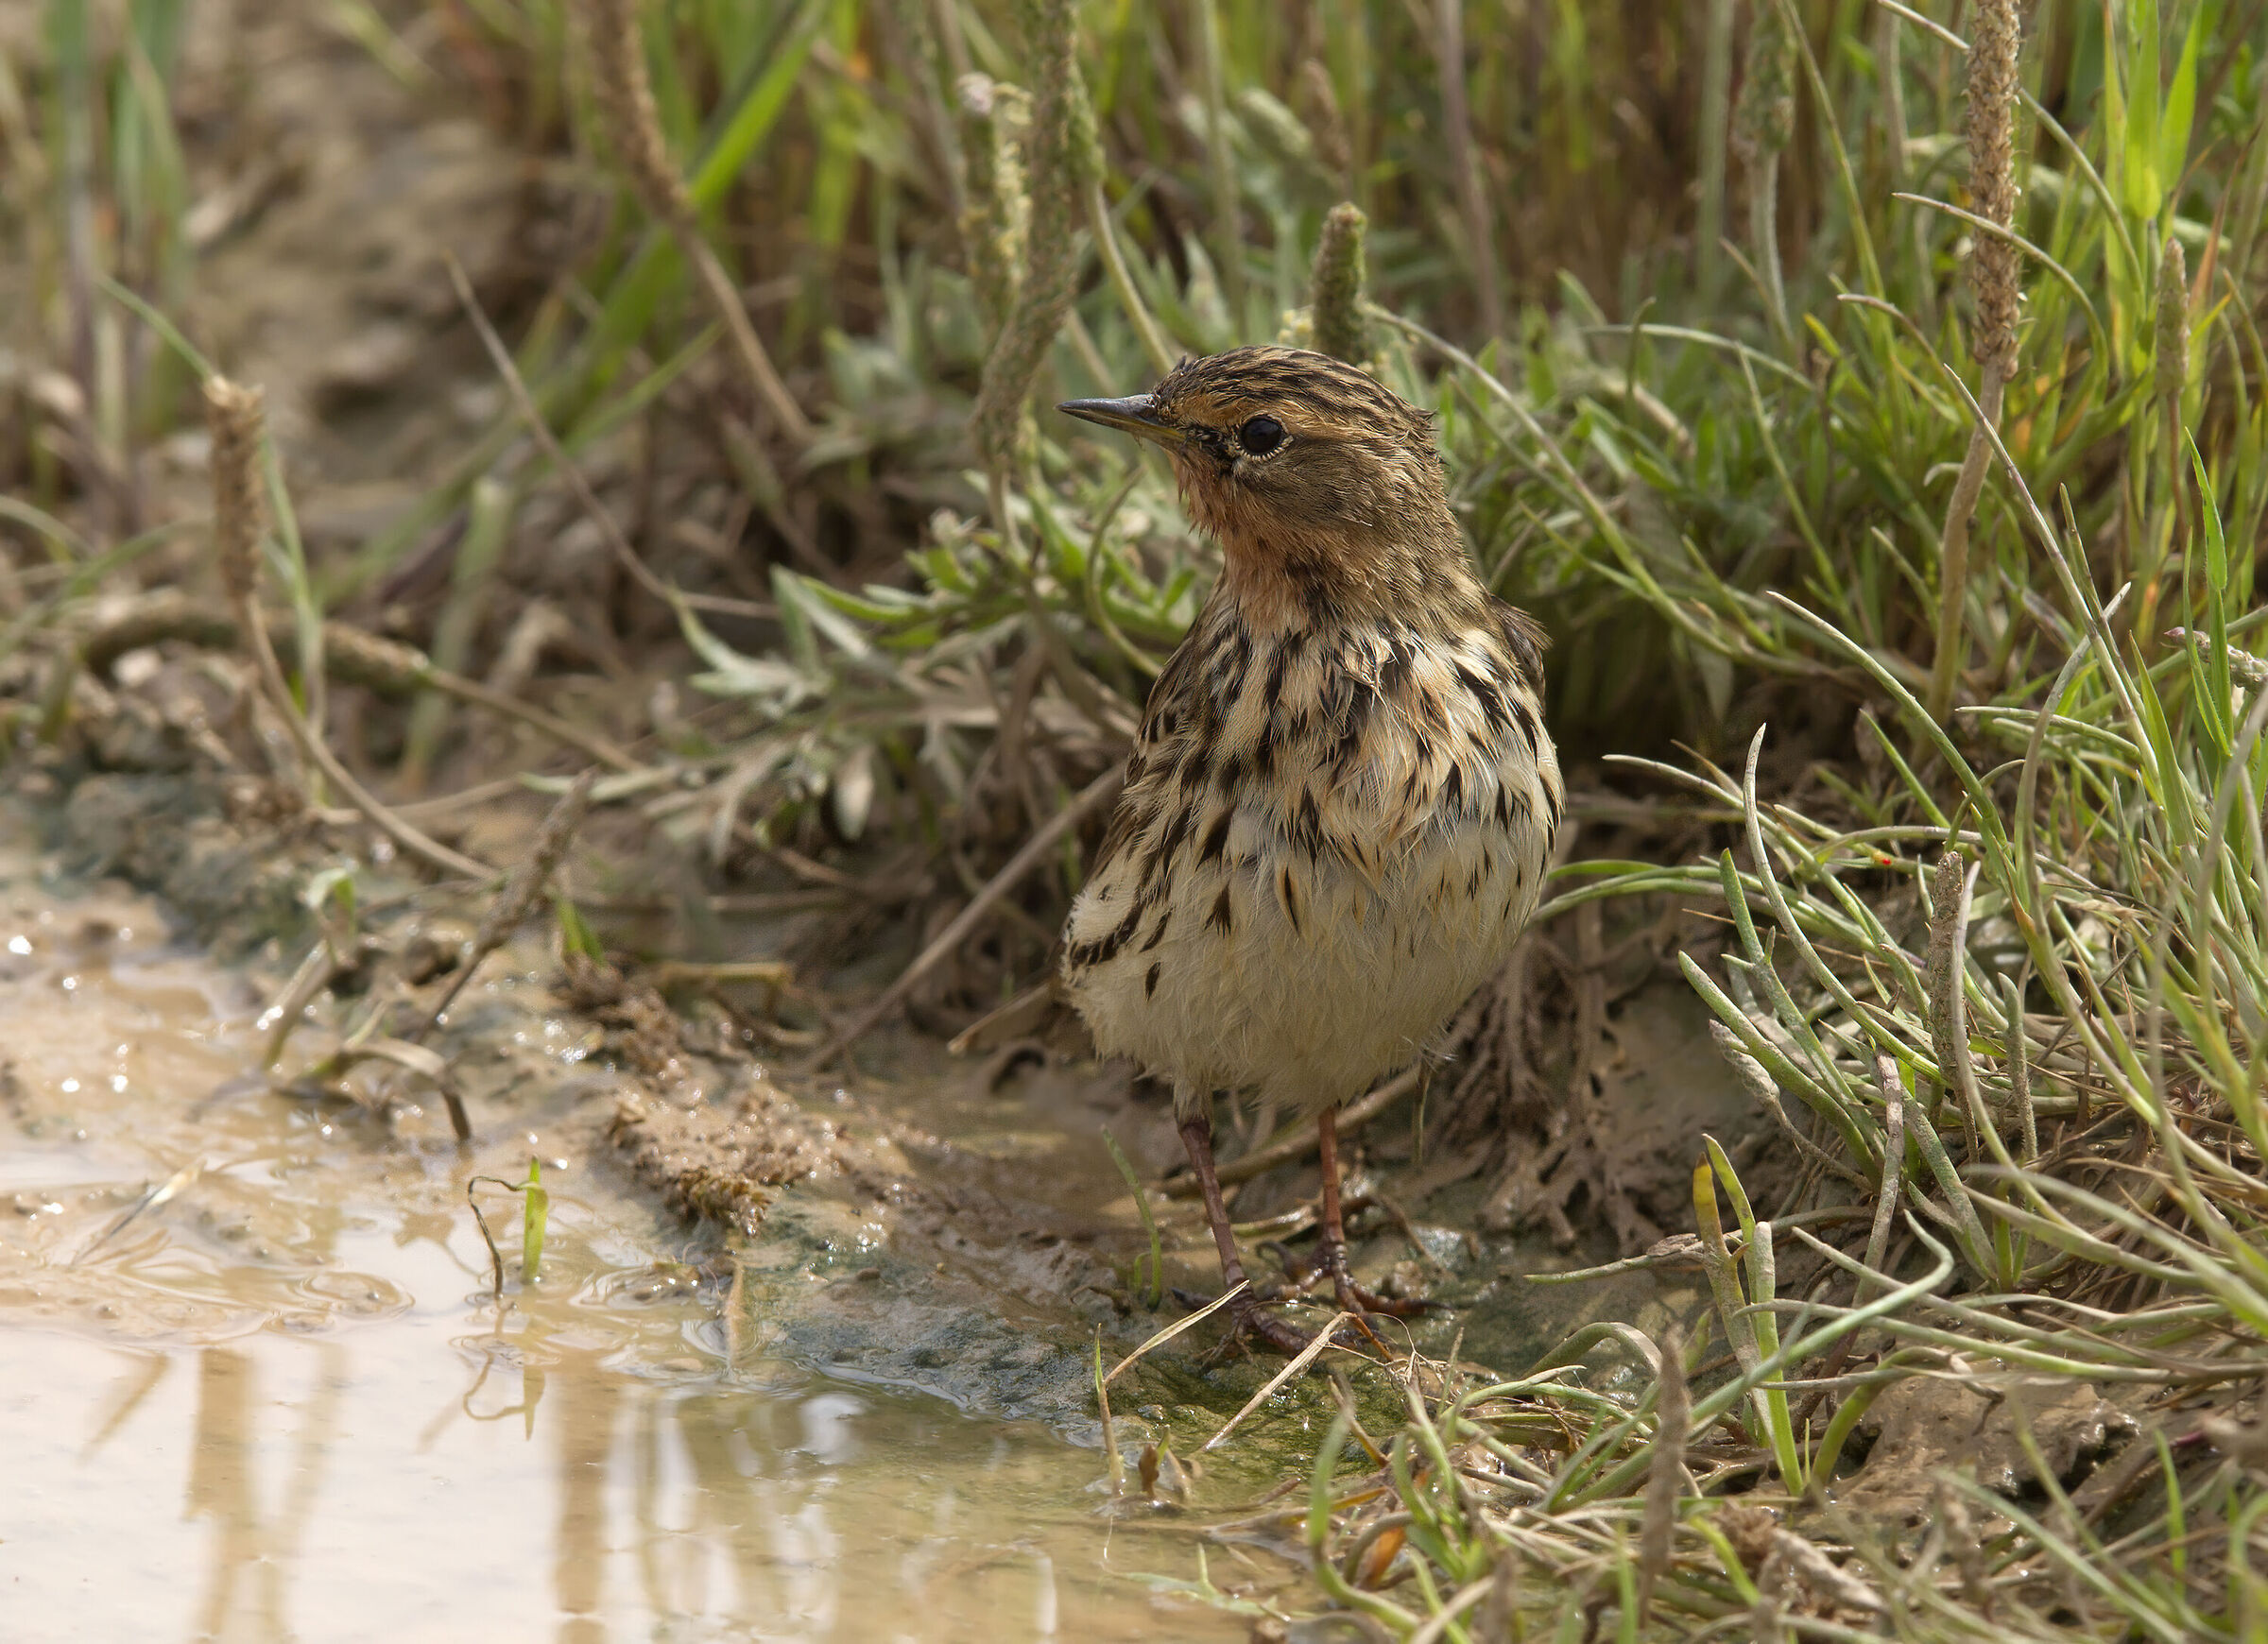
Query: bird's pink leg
(1331, 1256)
(1251, 1319)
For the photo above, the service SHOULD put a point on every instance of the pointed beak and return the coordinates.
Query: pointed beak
(1137, 414)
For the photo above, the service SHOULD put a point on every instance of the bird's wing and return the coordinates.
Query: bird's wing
(1525, 638)
(1039, 1006)
(1179, 675)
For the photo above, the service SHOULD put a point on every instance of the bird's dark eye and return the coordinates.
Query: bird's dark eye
(1261, 435)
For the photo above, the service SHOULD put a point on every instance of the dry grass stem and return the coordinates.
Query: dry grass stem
(1993, 270)
(351, 655)
(1161, 355)
(316, 971)
(1296, 1366)
(539, 429)
(236, 421)
(1035, 850)
(1473, 194)
(1228, 226)
(370, 660)
(522, 889)
(1303, 1140)
(1665, 1474)
(1336, 286)
(1161, 1337)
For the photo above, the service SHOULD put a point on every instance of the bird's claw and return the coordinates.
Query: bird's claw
(1300, 1271)
(1330, 1258)
(1250, 1320)
(1258, 1323)
(1357, 1301)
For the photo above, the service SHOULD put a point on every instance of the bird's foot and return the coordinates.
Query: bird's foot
(1357, 1300)
(1256, 1323)
(1299, 1271)
(1329, 1259)
(1251, 1318)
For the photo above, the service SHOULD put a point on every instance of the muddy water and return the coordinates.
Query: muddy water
(279, 1402)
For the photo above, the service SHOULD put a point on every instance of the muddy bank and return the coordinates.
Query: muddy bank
(258, 1330)
(910, 1225)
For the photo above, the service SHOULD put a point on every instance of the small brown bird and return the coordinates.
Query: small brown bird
(1341, 801)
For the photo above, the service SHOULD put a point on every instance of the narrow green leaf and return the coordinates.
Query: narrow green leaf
(534, 1212)
(1149, 1222)
(2181, 107)
(576, 934)
(2144, 191)
(758, 109)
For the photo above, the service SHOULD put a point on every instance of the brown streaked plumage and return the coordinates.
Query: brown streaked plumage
(1342, 798)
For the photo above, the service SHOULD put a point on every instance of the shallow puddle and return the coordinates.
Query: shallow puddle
(278, 1401)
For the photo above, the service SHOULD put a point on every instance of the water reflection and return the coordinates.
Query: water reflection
(578, 1482)
(280, 1403)
(587, 1409)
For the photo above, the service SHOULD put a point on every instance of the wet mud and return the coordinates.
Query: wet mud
(800, 1347)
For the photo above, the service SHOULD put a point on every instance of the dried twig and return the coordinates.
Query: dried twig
(1175, 1328)
(539, 429)
(1305, 1357)
(518, 897)
(1304, 1138)
(235, 416)
(351, 655)
(1090, 798)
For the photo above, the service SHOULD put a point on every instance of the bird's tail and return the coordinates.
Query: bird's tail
(1032, 1014)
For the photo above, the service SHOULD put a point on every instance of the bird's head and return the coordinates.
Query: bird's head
(1319, 482)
